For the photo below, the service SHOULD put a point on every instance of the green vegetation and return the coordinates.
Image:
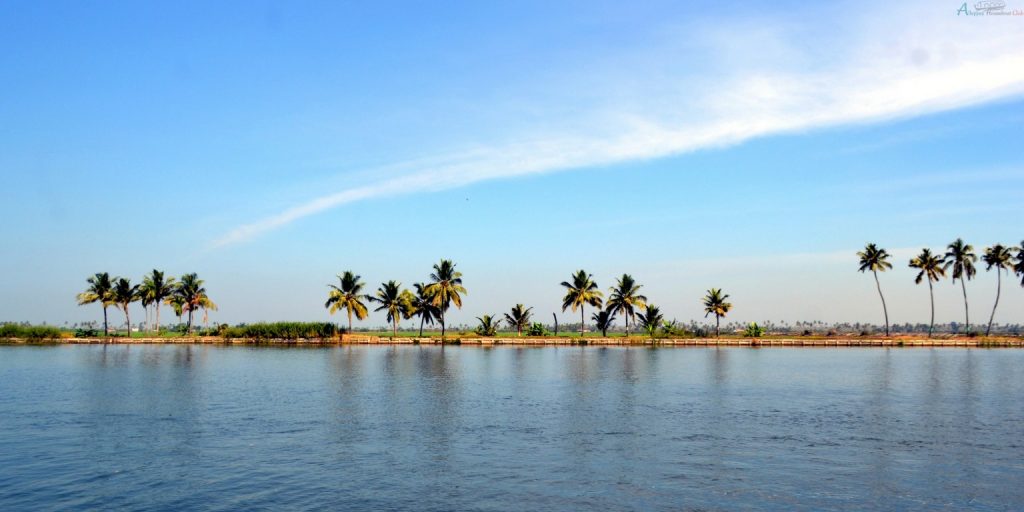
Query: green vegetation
(603, 320)
(876, 260)
(519, 318)
(755, 331)
(931, 268)
(537, 329)
(582, 291)
(395, 301)
(961, 257)
(422, 305)
(283, 330)
(100, 290)
(29, 332)
(445, 288)
(488, 325)
(184, 296)
(714, 303)
(347, 297)
(998, 257)
(625, 299)
(650, 319)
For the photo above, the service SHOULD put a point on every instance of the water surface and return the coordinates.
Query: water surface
(164, 427)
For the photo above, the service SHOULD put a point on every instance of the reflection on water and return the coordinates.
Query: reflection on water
(553, 428)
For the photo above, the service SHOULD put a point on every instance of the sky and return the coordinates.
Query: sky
(269, 146)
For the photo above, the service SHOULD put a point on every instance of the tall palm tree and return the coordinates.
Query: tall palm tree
(391, 298)
(1018, 265)
(999, 257)
(961, 257)
(347, 296)
(192, 294)
(446, 288)
(422, 305)
(582, 291)
(123, 294)
(207, 305)
(519, 318)
(715, 304)
(156, 289)
(650, 319)
(603, 320)
(177, 304)
(99, 290)
(876, 259)
(625, 299)
(931, 268)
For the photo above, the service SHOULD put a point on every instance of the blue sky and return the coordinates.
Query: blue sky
(269, 146)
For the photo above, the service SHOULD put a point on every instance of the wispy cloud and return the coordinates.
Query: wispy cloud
(915, 61)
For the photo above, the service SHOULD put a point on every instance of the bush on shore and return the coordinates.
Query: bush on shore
(282, 330)
(30, 332)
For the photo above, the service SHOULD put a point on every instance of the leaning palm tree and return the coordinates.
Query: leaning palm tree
(650, 319)
(961, 257)
(582, 291)
(123, 294)
(391, 298)
(99, 290)
(1018, 265)
(715, 304)
(876, 260)
(930, 266)
(156, 289)
(999, 257)
(192, 294)
(446, 288)
(347, 296)
(603, 320)
(422, 305)
(625, 299)
(519, 318)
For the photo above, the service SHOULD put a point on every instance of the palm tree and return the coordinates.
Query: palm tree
(582, 291)
(488, 325)
(1018, 266)
(625, 299)
(155, 290)
(392, 299)
(99, 290)
(999, 257)
(519, 318)
(714, 303)
(207, 305)
(446, 288)
(192, 294)
(961, 257)
(123, 294)
(650, 319)
(348, 296)
(930, 266)
(422, 305)
(604, 320)
(177, 304)
(876, 260)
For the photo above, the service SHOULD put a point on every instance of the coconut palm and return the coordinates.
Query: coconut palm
(519, 318)
(876, 260)
(1018, 265)
(625, 299)
(931, 268)
(123, 294)
(603, 320)
(650, 319)
(715, 304)
(391, 298)
(446, 288)
(206, 305)
(192, 294)
(582, 291)
(999, 257)
(156, 289)
(422, 305)
(99, 290)
(177, 304)
(488, 325)
(347, 296)
(960, 256)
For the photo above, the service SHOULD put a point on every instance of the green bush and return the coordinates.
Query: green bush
(753, 331)
(281, 330)
(29, 332)
(537, 329)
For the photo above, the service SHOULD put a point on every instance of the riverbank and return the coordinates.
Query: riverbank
(357, 339)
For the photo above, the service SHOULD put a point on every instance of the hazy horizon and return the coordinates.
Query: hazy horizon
(750, 147)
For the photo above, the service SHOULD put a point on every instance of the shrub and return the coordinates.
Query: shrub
(86, 332)
(537, 329)
(281, 330)
(29, 332)
(753, 331)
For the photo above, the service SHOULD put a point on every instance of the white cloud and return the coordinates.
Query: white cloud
(912, 61)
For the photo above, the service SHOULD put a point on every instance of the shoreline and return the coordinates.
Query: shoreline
(540, 341)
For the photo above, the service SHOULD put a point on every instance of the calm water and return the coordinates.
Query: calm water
(426, 428)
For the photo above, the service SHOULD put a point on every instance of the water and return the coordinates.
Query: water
(460, 428)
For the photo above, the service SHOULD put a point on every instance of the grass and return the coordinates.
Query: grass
(30, 332)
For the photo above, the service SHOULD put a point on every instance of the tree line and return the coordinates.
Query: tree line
(958, 260)
(184, 296)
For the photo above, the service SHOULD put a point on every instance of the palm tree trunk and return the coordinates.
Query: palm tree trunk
(625, 318)
(999, 286)
(350, 320)
(582, 320)
(189, 327)
(931, 293)
(717, 335)
(442, 324)
(158, 318)
(394, 329)
(106, 330)
(421, 325)
(967, 316)
(884, 309)
(128, 320)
